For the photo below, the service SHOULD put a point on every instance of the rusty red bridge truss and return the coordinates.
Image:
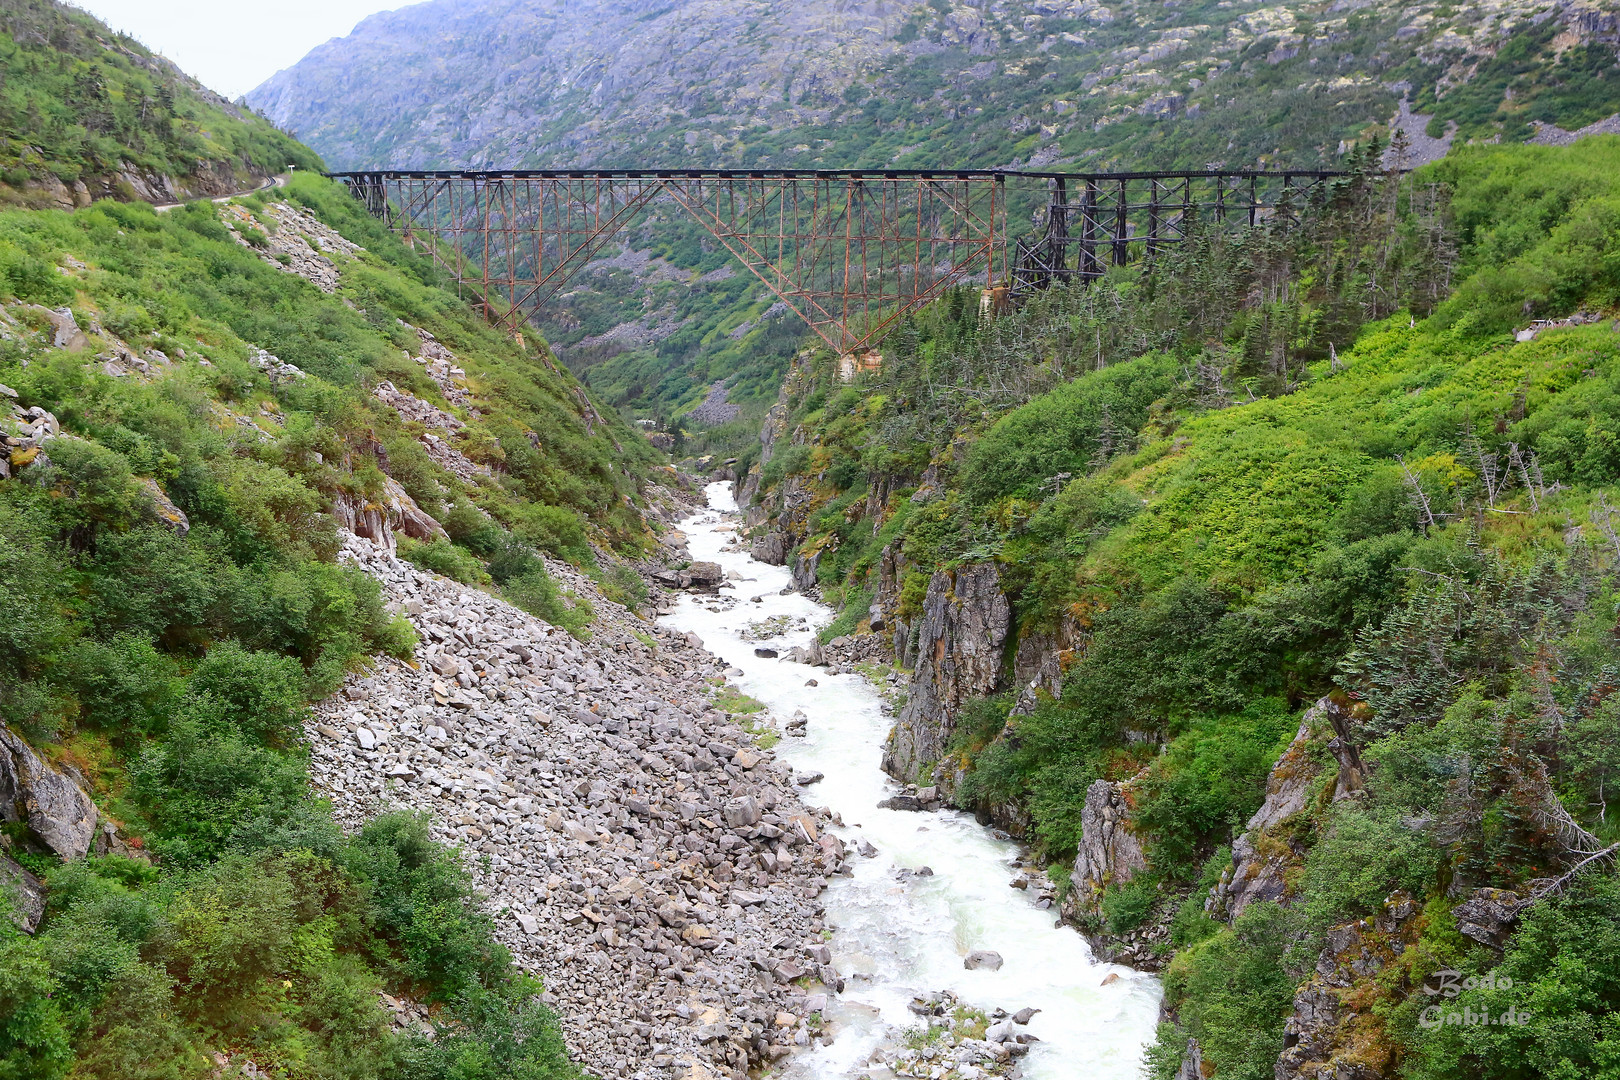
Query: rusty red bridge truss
(850, 252)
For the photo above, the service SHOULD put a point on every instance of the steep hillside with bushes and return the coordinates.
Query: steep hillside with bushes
(193, 405)
(1303, 676)
(87, 114)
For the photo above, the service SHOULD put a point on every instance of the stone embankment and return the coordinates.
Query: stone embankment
(642, 856)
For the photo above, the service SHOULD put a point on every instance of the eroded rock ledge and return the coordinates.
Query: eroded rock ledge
(643, 857)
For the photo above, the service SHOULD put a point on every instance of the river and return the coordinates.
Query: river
(895, 934)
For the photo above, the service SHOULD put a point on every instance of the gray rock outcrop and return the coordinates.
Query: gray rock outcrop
(22, 894)
(1192, 1062)
(804, 573)
(770, 548)
(963, 625)
(1110, 853)
(392, 511)
(1488, 916)
(52, 804)
(1257, 870)
(1320, 1045)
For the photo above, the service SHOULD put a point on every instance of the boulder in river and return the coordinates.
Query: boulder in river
(706, 575)
(983, 960)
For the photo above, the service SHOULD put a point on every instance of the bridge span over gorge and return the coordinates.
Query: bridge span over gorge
(851, 252)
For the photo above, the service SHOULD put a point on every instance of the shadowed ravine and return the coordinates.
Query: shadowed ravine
(898, 935)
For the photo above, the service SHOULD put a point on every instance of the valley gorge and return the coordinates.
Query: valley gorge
(1182, 649)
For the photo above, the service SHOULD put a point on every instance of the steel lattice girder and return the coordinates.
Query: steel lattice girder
(851, 253)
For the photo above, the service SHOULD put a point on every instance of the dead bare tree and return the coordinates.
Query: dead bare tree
(1417, 496)
(1529, 470)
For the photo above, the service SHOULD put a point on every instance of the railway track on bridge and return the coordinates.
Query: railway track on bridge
(851, 252)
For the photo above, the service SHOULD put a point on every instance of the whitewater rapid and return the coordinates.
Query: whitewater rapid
(896, 935)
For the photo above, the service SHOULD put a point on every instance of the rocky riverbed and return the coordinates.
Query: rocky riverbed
(691, 915)
(941, 929)
(644, 856)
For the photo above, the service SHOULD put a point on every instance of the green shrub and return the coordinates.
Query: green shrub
(1127, 906)
(1191, 923)
(257, 693)
(124, 686)
(104, 495)
(443, 557)
(150, 583)
(1360, 858)
(1061, 431)
(32, 279)
(1233, 993)
(206, 783)
(422, 898)
(857, 607)
(33, 1037)
(786, 461)
(499, 1034)
(1209, 781)
(623, 585)
(536, 593)
(472, 528)
(514, 559)
(136, 1033)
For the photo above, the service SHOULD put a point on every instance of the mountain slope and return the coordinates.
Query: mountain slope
(87, 114)
(512, 83)
(194, 406)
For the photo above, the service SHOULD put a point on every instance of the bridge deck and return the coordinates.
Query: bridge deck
(850, 251)
(826, 174)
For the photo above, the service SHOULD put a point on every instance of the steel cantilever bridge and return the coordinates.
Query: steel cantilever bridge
(850, 252)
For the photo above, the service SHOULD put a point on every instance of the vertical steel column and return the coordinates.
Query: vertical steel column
(1121, 226)
(1153, 218)
(1088, 234)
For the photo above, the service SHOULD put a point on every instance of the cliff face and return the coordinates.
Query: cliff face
(960, 634)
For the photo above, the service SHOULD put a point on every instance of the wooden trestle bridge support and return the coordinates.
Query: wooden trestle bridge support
(850, 252)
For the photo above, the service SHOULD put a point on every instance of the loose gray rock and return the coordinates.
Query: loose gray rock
(646, 859)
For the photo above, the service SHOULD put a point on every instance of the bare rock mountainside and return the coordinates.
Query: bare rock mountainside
(807, 83)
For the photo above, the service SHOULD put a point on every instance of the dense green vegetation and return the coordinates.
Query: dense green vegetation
(1270, 469)
(171, 665)
(80, 103)
(173, 669)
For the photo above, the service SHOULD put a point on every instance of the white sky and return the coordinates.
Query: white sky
(234, 45)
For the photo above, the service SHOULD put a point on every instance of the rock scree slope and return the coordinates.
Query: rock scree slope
(643, 856)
